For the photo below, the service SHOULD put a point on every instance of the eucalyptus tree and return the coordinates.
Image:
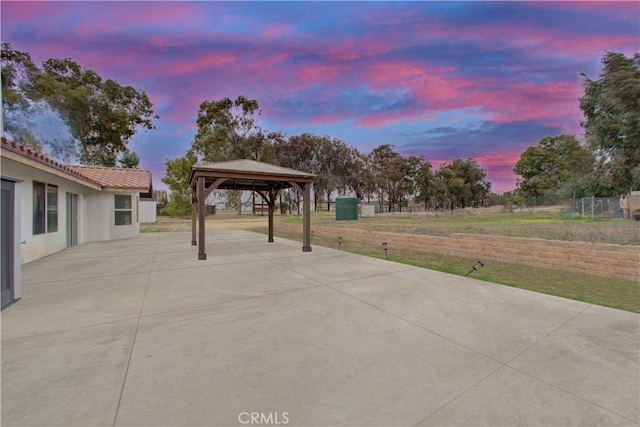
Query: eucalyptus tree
(556, 167)
(388, 169)
(176, 178)
(227, 130)
(461, 183)
(611, 106)
(101, 116)
(424, 183)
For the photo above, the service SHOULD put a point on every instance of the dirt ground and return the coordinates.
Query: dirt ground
(222, 222)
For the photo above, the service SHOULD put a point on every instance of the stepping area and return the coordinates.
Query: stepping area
(139, 332)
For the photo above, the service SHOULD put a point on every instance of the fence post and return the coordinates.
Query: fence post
(593, 205)
(582, 200)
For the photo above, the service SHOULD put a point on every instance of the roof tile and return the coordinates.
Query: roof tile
(133, 179)
(107, 178)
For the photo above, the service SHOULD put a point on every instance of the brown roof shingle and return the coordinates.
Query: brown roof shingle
(116, 178)
(106, 178)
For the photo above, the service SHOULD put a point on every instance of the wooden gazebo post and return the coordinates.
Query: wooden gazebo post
(202, 255)
(306, 218)
(194, 208)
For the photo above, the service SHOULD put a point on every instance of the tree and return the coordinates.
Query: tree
(445, 186)
(611, 106)
(177, 180)
(461, 183)
(129, 159)
(227, 130)
(17, 67)
(389, 172)
(424, 183)
(295, 152)
(357, 174)
(330, 163)
(557, 167)
(101, 115)
(330, 159)
(412, 167)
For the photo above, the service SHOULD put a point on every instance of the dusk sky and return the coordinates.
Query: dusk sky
(445, 80)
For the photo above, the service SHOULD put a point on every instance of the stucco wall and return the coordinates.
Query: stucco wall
(605, 260)
(101, 208)
(148, 212)
(39, 245)
(123, 231)
(96, 213)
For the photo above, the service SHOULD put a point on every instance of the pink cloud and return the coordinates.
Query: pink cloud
(199, 64)
(526, 101)
(171, 15)
(317, 73)
(27, 11)
(274, 31)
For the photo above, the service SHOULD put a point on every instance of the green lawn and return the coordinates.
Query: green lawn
(609, 292)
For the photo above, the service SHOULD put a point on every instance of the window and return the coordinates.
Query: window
(45, 208)
(52, 208)
(39, 219)
(123, 209)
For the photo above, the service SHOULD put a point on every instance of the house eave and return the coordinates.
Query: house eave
(10, 155)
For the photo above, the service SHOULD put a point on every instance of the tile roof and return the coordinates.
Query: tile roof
(40, 158)
(116, 178)
(104, 177)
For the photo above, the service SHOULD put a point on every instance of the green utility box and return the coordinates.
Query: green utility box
(346, 208)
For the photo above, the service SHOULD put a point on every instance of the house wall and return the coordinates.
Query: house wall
(17, 196)
(101, 210)
(96, 213)
(148, 212)
(39, 245)
(123, 231)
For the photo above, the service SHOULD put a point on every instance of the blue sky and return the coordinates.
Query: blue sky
(441, 79)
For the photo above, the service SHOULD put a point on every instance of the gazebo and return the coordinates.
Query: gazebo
(265, 179)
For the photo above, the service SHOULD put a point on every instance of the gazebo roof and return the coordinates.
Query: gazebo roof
(248, 174)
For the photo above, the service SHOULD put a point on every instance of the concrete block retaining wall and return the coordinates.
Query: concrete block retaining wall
(599, 259)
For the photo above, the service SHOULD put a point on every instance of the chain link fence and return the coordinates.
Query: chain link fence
(592, 207)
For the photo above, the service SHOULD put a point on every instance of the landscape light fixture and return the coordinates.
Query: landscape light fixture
(312, 232)
(475, 267)
(339, 242)
(385, 246)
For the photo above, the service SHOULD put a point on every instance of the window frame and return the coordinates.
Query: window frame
(117, 210)
(52, 208)
(45, 208)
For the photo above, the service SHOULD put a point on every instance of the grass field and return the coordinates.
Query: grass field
(542, 224)
(610, 292)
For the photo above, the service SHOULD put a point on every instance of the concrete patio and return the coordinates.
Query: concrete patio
(139, 332)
